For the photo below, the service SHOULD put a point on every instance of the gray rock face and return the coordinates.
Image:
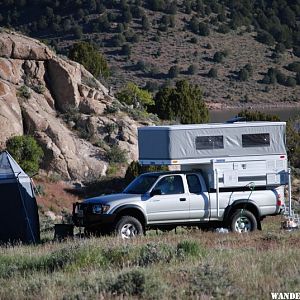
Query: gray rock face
(66, 109)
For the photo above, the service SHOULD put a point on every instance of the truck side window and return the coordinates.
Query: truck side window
(170, 185)
(194, 184)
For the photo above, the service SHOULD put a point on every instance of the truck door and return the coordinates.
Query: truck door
(199, 202)
(170, 203)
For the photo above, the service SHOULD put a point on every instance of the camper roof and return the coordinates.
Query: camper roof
(213, 125)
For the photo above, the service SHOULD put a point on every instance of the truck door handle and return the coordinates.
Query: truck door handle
(182, 199)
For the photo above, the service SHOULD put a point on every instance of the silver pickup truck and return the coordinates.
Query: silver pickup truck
(164, 200)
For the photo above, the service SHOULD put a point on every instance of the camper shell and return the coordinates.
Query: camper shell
(236, 154)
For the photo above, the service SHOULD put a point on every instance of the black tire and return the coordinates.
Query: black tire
(128, 227)
(243, 220)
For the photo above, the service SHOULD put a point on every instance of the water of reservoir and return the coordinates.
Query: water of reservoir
(284, 114)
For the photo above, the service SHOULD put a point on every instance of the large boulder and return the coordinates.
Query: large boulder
(63, 106)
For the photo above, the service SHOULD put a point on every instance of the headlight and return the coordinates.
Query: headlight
(97, 209)
(105, 208)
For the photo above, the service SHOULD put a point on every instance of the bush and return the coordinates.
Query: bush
(131, 94)
(173, 72)
(183, 103)
(26, 152)
(118, 40)
(211, 282)
(87, 55)
(126, 50)
(265, 38)
(213, 73)
(131, 283)
(298, 78)
(155, 253)
(24, 92)
(243, 75)
(224, 28)
(203, 29)
(294, 67)
(219, 56)
(280, 48)
(189, 248)
(135, 169)
(192, 69)
(291, 82)
(296, 51)
(194, 40)
(116, 155)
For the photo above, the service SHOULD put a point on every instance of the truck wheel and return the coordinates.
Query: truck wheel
(243, 220)
(128, 227)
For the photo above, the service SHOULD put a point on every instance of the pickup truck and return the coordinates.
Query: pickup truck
(164, 200)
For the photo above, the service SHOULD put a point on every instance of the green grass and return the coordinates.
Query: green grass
(188, 265)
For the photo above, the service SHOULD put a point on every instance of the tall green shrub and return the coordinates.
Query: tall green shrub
(90, 57)
(26, 151)
(183, 103)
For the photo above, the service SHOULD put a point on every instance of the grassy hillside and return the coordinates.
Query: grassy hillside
(238, 51)
(186, 265)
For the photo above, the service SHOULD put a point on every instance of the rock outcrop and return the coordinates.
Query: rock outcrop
(70, 113)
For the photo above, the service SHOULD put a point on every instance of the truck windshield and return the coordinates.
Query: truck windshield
(141, 184)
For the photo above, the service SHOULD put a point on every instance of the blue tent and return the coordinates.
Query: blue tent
(19, 220)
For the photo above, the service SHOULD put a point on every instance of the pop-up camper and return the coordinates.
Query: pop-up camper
(19, 220)
(241, 152)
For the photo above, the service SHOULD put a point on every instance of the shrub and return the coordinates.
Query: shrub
(298, 78)
(211, 282)
(243, 75)
(131, 94)
(126, 50)
(116, 155)
(265, 38)
(24, 92)
(135, 169)
(213, 73)
(224, 28)
(145, 23)
(39, 88)
(189, 248)
(203, 29)
(280, 48)
(118, 40)
(194, 40)
(291, 82)
(294, 67)
(182, 103)
(87, 55)
(296, 51)
(131, 283)
(26, 152)
(173, 72)
(155, 253)
(219, 56)
(192, 69)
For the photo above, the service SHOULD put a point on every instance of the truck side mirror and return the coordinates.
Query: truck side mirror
(155, 192)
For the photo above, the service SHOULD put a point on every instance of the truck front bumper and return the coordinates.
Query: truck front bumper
(83, 216)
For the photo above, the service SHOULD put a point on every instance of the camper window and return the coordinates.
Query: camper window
(256, 140)
(209, 142)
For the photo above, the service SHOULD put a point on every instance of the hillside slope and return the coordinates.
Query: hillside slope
(69, 112)
(143, 40)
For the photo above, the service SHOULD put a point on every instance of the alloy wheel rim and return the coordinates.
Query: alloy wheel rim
(128, 231)
(243, 224)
